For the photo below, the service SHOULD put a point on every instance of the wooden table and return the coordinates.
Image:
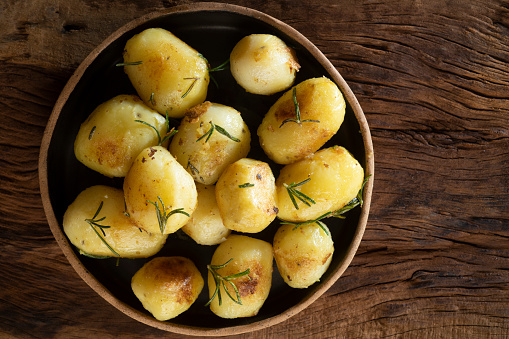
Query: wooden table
(433, 80)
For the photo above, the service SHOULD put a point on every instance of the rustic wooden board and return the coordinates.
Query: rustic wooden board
(433, 80)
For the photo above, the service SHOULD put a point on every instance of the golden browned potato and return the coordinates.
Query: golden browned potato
(322, 109)
(201, 146)
(332, 177)
(263, 64)
(253, 288)
(206, 226)
(97, 219)
(159, 194)
(169, 75)
(302, 254)
(110, 138)
(167, 286)
(246, 196)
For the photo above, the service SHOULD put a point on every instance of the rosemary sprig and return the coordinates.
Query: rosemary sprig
(357, 201)
(169, 132)
(297, 119)
(162, 215)
(220, 129)
(151, 99)
(247, 184)
(193, 169)
(221, 67)
(93, 256)
(221, 281)
(134, 63)
(294, 193)
(91, 134)
(93, 222)
(195, 79)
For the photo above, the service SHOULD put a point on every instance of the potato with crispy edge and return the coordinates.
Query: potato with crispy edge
(322, 109)
(167, 286)
(120, 233)
(169, 75)
(335, 178)
(205, 156)
(206, 225)
(263, 64)
(303, 254)
(110, 138)
(159, 194)
(246, 196)
(247, 253)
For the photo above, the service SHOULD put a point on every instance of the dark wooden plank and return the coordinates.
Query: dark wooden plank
(433, 80)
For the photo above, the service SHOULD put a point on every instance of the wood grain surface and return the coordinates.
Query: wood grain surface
(433, 80)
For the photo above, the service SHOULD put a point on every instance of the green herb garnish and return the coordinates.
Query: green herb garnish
(193, 169)
(297, 112)
(357, 201)
(195, 79)
(134, 63)
(294, 193)
(162, 216)
(221, 281)
(151, 99)
(91, 134)
(169, 132)
(93, 222)
(247, 184)
(220, 129)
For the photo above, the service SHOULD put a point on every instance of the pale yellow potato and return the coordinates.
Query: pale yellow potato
(335, 179)
(156, 177)
(110, 138)
(247, 253)
(206, 160)
(171, 76)
(122, 235)
(167, 286)
(302, 254)
(206, 225)
(263, 64)
(320, 100)
(246, 196)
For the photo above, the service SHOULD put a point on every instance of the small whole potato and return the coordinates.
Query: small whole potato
(167, 286)
(205, 156)
(302, 254)
(322, 110)
(246, 196)
(159, 194)
(334, 179)
(245, 253)
(263, 64)
(206, 226)
(110, 138)
(169, 75)
(120, 233)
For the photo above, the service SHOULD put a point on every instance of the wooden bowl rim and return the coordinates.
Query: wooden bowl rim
(94, 283)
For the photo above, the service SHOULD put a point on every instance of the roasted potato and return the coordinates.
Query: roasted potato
(284, 138)
(334, 179)
(110, 138)
(246, 253)
(159, 194)
(206, 226)
(169, 75)
(263, 64)
(96, 219)
(303, 254)
(246, 196)
(167, 286)
(202, 148)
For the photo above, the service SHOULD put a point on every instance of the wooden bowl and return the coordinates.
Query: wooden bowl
(213, 29)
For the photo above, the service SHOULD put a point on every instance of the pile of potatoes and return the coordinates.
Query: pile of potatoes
(197, 177)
